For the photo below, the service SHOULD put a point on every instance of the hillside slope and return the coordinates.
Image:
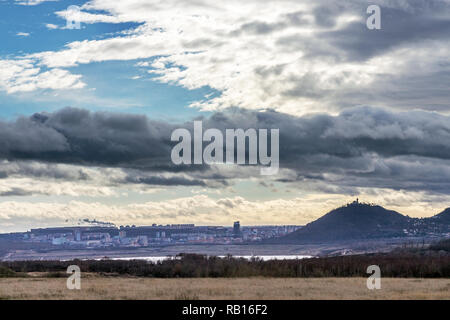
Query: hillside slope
(444, 216)
(353, 221)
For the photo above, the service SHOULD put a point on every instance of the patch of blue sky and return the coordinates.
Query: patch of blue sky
(118, 86)
(133, 89)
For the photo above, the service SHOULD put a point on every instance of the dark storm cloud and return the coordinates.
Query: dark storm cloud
(414, 34)
(402, 24)
(359, 147)
(399, 28)
(364, 147)
(353, 133)
(81, 137)
(326, 15)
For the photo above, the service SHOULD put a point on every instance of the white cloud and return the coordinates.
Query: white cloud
(24, 76)
(32, 2)
(200, 209)
(22, 34)
(86, 17)
(51, 26)
(30, 178)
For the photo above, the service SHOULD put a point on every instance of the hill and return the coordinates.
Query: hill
(444, 216)
(350, 222)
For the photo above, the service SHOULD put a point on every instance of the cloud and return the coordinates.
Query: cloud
(32, 2)
(21, 187)
(205, 210)
(202, 209)
(165, 181)
(51, 26)
(23, 76)
(360, 147)
(22, 34)
(293, 58)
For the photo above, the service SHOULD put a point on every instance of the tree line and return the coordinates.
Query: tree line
(402, 265)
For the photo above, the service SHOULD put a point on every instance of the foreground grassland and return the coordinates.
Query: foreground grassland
(37, 286)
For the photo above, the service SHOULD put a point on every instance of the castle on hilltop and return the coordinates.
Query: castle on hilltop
(357, 203)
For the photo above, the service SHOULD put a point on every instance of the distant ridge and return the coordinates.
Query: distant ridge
(351, 222)
(357, 221)
(444, 216)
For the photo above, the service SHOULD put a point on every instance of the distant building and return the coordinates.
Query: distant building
(99, 236)
(143, 241)
(59, 241)
(237, 229)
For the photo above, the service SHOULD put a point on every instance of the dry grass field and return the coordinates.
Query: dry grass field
(97, 287)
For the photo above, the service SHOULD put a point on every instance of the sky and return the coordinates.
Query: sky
(86, 114)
